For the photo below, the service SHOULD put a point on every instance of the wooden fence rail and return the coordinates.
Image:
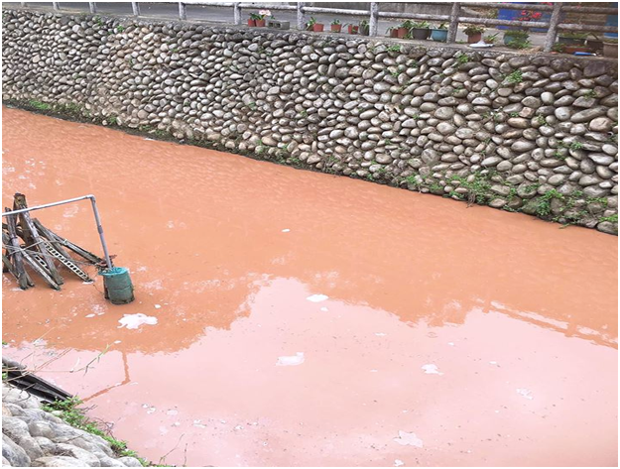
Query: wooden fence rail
(373, 15)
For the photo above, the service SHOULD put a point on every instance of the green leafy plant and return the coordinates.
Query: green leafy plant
(472, 29)
(40, 105)
(336, 22)
(311, 22)
(462, 58)
(515, 77)
(420, 25)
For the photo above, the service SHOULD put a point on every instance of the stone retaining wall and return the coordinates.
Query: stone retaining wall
(32, 437)
(530, 133)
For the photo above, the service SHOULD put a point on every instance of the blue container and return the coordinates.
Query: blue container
(117, 285)
(612, 20)
(439, 35)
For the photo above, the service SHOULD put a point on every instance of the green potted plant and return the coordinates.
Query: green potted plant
(352, 28)
(392, 32)
(572, 39)
(364, 28)
(440, 33)
(260, 18)
(252, 19)
(517, 38)
(313, 25)
(610, 47)
(473, 33)
(404, 28)
(490, 39)
(420, 30)
(336, 27)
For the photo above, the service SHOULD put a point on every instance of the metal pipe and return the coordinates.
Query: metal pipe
(76, 199)
(553, 27)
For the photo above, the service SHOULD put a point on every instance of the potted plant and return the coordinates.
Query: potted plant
(474, 33)
(336, 27)
(364, 28)
(420, 30)
(403, 29)
(517, 38)
(252, 19)
(312, 25)
(352, 28)
(490, 39)
(594, 43)
(392, 32)
(572, 39)
(440, 33)
(610, 47)
(260, 18)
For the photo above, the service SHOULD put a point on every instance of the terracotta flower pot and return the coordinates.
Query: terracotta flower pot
(252, 23)
(393, 33)
(610, 49)
(336, 28)
(401, 33)
(317, 27)
(351, 29)
(260, 23)
(472, 39)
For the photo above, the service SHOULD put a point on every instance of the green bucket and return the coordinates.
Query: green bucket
(117, 285)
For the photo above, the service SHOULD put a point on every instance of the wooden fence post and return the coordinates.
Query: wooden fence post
(556, 15)
(237, 13)
(374, 19)
(182, 11)
(301, 22)
(454, 22)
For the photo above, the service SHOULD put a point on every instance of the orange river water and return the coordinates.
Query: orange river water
(438, 335)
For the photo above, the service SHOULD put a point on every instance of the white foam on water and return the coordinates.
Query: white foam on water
(408, 439)
(133, 321)
(317, 298)
(292, 360)
(525, 393)
(431, 369)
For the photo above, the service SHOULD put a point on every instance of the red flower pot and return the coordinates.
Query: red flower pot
(401, 33)
(252, 23)
(352, 29)
(474, 38)
(336, 28)
(260, 23)
(317, 27)
(393, 32)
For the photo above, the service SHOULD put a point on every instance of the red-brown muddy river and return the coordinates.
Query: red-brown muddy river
(309, 319)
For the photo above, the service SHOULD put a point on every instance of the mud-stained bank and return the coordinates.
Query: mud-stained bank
(286, 317)
(529, 133)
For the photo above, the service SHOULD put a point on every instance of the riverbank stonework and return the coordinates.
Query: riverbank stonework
(529, 133)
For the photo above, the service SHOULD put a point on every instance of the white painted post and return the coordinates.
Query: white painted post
(23, 4)
(92, 6)
(454, 22)
(237, 13)
(556, 15)
(182, 11)
(136, 8)
(374, 18)
(301, 21)
(56, 5)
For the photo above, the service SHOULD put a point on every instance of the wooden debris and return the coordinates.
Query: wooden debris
(20, 273)
(32, 238)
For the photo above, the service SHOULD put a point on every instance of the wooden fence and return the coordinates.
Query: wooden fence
(558, 11)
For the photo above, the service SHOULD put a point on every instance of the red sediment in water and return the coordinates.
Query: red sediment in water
(518, 316)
